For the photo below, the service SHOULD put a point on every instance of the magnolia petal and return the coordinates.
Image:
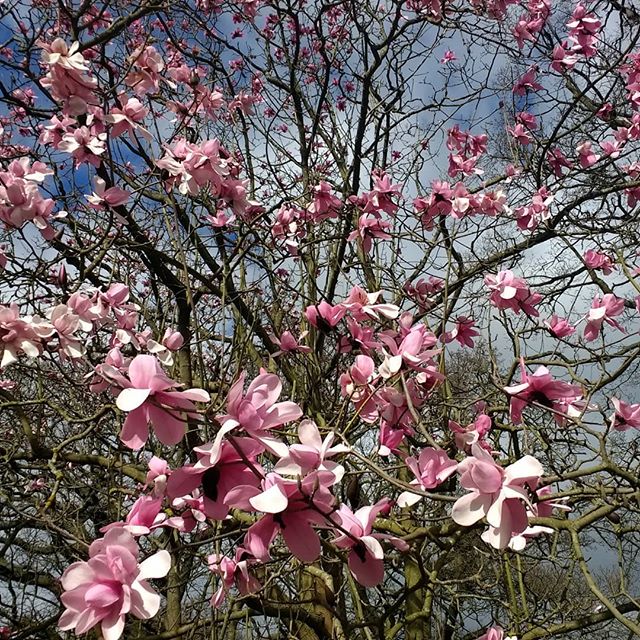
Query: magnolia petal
(155, 566)
(273, 500)
(130, 399)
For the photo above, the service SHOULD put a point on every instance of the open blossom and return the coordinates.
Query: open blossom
(221, 466)
(542, 508)
(603, 310)
(431, 469)
(370, 227)
(144, 516)
(325, 203)
(586, 156)
(541, 388)
(111, 197)
(527, 82)
(366, 556)
(111, 584)
(510, 292)
(291, 507)
(288, 344)
(20, 198)
(463, 333)
(127, 118)
(149, 396)
(499, 495)
(68, 78)
(19, 335)
(560, 327)
(323, 315)
(312, 453)
(596, 260)
(365, 306)
(626, 416)
(171, 341)
(147, 63)
(84, 145)
(257, 409)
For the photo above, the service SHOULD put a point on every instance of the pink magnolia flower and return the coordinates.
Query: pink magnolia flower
(66, 323)
(68, 78)
(111, 584)
(541, 508)
(257, 411)
(415, 348)
(127, 118)
(221, 466)
(291, 508)
(531, 215)
(233, 572)
(603, 310)
(370, 227)
(560, 327)
(157, 475)
(499, 495)
(324, 316)
(557, 161)
(18, 335)
(365, 306)
(325, 203)
(144, 516)
(312, 454)
(495, 633)
(521, 134)
(528, 28)
(564, 57)
(625, 416)
(467, 436)
(596, 260)
(586, 156)
(288, 344)
(149, 396)
(356, 385)
(360, 337)
(449, 56)
(366, 556)
(541, 388)
(463, 333)
(431, 469)
(510, 292)
(171, 341)
(527, 82)
(111, 197)
(147, 64)
(84, 145)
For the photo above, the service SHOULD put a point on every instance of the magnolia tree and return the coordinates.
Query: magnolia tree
(319, 319)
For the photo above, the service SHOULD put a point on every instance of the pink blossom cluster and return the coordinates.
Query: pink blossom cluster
(582, 38)
(68, 79)
(530, 24)
(466, 150)
(457, 202)
(632, 71)
(192, 167)
(530, 216)
(598, 260)
(21, 200)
